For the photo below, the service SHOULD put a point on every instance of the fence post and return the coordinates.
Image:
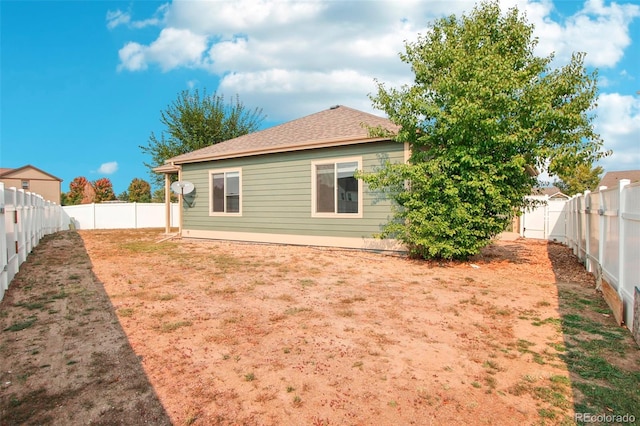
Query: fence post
(579, 224)
(601, 226)
(37, 200)
(622, 235)
(576, 223)
(30, 222)
(4, 282)
(587, 229)
(545, 231)
(21, 228)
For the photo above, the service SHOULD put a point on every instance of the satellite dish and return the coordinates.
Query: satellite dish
(182, 187)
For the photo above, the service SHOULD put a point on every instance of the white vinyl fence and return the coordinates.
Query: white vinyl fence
(119, 216)
(24, 219)
(546, 221)
(603, 229)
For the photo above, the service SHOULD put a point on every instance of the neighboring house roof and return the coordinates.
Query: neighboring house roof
(9, 173)
(336, 126)
(551, 191)
(611, 179)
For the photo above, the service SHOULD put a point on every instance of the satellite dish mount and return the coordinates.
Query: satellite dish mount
(182, 188)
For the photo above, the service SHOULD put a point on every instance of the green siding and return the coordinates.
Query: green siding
(276, 193)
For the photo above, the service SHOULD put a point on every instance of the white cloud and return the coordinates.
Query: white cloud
(116, 18)
(600, 31)
(132, 57)
(322, 36)
(297, 57)
(618, 122)
(172, 49)
(108, 168)
(176, 47)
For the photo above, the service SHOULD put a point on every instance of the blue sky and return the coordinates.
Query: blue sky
(82, 83)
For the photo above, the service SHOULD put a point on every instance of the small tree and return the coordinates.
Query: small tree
(103, 190)
(139, 191)
(193, 122)
(76, 191)
(584, 177)
(158, 196)
(481, 111)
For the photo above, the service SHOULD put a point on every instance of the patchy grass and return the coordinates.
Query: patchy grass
(169, 327)
(595, 352)
(22, 325)
(297, 310)
(126, 312)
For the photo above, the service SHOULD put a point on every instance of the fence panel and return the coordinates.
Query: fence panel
(557, 220)
(545, 221)
(610, 235)
(119, 216)
(11, 235)
(630, 253)
(115, 216)
(534, 221)
(592, 226)
(582, 231)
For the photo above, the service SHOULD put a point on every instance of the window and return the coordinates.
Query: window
(225, 192)
(336, 191)
(25, 185)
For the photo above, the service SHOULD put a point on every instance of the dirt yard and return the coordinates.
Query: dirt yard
(114, 327)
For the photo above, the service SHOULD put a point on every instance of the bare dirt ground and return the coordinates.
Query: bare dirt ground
(112, 327)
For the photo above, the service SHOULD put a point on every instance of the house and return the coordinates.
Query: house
(293, 183)
(611, 179)
(551, 191)
(32, 179)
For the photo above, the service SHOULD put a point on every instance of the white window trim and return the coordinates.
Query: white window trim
(210, 207)
(316, 163)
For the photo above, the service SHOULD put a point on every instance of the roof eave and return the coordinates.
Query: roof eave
(531, 170)
(275, 150)
(8, 172)
(167, 168)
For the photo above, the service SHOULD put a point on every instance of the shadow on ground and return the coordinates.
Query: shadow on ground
(602, 357)
(64, 358)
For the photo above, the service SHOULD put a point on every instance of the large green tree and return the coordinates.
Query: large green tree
(482, 111)
(194, 121)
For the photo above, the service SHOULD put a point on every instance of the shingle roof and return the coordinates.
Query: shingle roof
(336, 126)
(611, 179)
